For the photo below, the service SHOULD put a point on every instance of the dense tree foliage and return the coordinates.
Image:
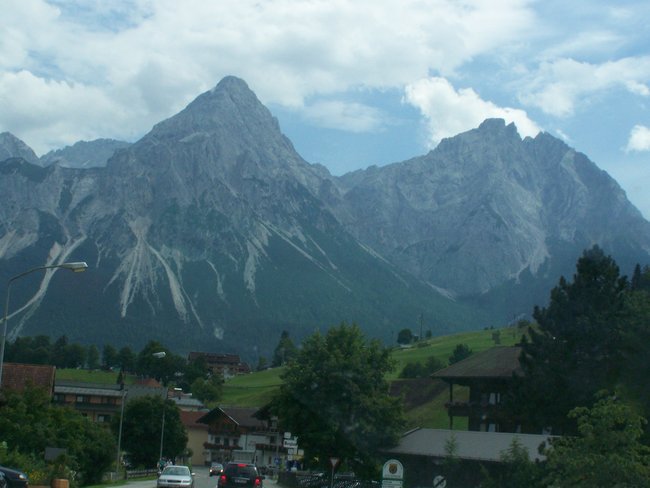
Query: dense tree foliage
(285, 350)
(335, 399)
(460, 352)
(29, 423)
(208, 390)
(417, 369)
(594, 335)
(576, 348)
(607, 451)
(405, 336)
(142, 426)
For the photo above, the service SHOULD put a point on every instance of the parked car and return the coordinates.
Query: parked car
(175, 476)
(13, 478)
(3, 480)
(216, 469)
(240, 475)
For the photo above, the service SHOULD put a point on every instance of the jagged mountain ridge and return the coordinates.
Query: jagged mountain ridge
(84, 154)
(486, 206)
(212, 230)
(205, 230)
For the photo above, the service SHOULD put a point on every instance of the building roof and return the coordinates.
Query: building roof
(497, 362)
(470, 445)
(187, 402)
(190, 420)
(108, 389)
(87, 390)
(17, 376)
(242, 416)
(212, 357)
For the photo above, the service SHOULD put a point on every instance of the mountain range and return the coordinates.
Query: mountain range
(212, 233)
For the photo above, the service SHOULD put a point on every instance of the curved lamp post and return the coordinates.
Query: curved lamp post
(160, 355)
(76, 267)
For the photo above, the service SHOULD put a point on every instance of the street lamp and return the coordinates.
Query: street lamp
(119, 436)
(76, 267)
(160, 355)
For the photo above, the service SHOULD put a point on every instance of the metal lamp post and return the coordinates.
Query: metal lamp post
(160, 355)
(76, 267)
(119, 435)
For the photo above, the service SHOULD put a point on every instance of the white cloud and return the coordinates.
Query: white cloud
(559, 85)
(449, 111)
(149, 58)
(639, 139)
(352, 117)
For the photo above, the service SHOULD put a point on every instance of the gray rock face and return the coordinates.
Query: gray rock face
(208, 231)
(211, 232)
(84, 154)
(12, 147)
(486, 206)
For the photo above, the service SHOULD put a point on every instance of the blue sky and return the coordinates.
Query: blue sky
(353, 83)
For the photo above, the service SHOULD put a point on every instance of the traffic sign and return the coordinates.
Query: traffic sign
(334, 462)
(439, 482)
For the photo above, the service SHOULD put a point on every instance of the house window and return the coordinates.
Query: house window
(217, 440)
(226, 442)
(80, 399)
(103, 418)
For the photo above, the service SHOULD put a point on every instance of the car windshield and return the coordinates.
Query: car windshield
(176, 470)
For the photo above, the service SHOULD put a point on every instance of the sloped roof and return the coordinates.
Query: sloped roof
(242, 416)
(17, 376)
(191, 420)
(497, 362)
(470, 445)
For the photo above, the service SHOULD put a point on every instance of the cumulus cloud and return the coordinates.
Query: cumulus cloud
(449, 111)
(557, 86)
(149, 59)
(352, 117)
(639, 139)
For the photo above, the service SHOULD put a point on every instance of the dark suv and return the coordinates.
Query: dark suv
(13, 478)
(242, 475)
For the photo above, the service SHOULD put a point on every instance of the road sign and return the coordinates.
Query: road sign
(439, 482)
(287, 435)
(391, 483)
(334, 462)
(392, 470)
(290, 442)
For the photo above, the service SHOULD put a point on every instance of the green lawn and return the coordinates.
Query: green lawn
(94, 376)
(257, 389)
(251, 390)
(442, 347)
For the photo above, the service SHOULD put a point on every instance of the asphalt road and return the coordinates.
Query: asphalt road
(201, 480)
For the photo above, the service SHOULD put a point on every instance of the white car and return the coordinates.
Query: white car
(175, 477)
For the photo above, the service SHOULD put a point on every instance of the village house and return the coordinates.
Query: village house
(424, 453)
(225, 365)
(17, 377)
(100, 402)
(242, 434)
(488, 375)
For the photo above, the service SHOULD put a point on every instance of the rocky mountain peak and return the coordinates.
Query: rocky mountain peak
(229, 109)
(12, 147)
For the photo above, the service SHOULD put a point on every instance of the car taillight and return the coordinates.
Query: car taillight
(222, 479)
(258, 481)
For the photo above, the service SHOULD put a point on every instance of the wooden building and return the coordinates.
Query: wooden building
(488, 375)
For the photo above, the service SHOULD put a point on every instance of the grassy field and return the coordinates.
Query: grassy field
(256, 389)
(442, 347)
